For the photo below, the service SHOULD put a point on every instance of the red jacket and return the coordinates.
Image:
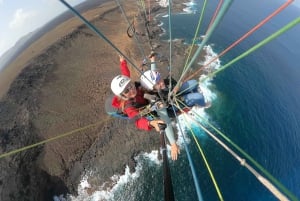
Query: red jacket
(129, 108)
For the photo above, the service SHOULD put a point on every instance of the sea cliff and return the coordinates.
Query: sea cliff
(58, 85)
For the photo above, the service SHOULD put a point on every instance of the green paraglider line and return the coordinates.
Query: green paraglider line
(63, 135)
(131, 26)
(254, 48)
(219, 17)
(196, 34)
(92, 27)
(251, 31)
(257, 46)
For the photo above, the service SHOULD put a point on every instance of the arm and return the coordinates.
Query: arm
(123, 67)
(142, 123)
(169, 133)
(153, 64)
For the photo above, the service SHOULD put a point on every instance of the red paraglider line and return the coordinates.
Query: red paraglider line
(215, 15)
(243, 37)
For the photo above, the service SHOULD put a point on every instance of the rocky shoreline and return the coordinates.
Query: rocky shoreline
(64, 88)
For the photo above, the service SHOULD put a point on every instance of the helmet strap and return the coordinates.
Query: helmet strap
(124, 97)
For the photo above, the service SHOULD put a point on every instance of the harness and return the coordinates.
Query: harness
(118, 112)
(115, 112)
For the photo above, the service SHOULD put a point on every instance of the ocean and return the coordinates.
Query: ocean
(255, 102)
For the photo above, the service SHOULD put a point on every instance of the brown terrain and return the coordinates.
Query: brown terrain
(60, 84)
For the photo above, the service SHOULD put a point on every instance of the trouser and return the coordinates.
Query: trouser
(189, 91)
(191, 95)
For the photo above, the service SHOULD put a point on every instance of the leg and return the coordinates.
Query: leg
(153, 62)
(189, 86)
(192, 99)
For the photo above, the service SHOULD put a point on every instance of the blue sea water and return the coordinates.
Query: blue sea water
(257, 107)
(260, 106)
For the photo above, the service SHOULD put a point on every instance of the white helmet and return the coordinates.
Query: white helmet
(149, 79)
(119, 83)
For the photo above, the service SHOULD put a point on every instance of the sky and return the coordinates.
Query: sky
(20, 17)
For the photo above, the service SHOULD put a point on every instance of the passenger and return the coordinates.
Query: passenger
(151, 80)
(129, 97)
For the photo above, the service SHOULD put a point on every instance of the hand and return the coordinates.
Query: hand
(151, 98)
(152, 56)
(174, 151)
(159, 105)
(154, 123)
(170, 96)
(176, 89)
(121, 58)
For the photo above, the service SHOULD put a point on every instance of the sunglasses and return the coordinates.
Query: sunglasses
(128, 88)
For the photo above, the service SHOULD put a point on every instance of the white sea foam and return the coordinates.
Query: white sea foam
(118, 181)
(105, 193)
(182, 136)
(205, 83)
(160, 24)
(191, 3)
(152, 156)
(163, 3)
(191, 7)
(189, 120)
(188, 10)
(210, 56)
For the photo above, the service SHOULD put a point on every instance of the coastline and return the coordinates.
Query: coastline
(50, 91)
(9, 73)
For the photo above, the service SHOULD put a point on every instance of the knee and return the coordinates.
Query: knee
(189, 86)
(192, 99)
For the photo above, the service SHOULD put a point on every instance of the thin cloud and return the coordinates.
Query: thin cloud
(21, 19)
(297, 3)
